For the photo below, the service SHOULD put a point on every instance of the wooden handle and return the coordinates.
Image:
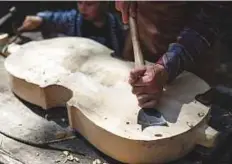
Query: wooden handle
(139, 61)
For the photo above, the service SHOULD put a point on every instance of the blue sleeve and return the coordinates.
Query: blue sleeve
(60, 21)
(192, 44)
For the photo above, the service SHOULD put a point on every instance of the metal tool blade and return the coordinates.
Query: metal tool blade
(151, 117)
(146, 117)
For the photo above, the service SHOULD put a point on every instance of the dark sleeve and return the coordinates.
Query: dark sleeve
(192, 43)
(59, 22)
(121, 33)
(117, 35)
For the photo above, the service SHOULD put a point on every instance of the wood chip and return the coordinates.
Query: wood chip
(65, 160)
(57, 160)
(66, 153)
(77, 159)
(97, 161)
(70, 158)
(60, 135)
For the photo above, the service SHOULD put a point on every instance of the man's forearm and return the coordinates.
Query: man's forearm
(182, 54)
(191, 44)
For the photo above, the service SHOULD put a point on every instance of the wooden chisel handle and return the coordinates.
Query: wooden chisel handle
(138, 56)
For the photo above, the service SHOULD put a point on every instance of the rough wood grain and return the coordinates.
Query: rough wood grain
(26, 122)
(6, 158)
(101, 106)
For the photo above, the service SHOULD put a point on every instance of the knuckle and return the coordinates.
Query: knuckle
(28, 17)
(133, 90)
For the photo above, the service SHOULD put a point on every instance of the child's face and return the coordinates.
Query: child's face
(89, 9)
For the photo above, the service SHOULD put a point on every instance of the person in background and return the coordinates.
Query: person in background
(175, 36)
(91, 20)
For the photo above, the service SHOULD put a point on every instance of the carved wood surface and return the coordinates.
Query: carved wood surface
(82, 73)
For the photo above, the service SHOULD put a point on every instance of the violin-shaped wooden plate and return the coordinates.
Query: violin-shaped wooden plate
(82, 74)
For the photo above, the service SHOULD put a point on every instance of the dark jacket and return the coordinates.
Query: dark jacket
(178, 35)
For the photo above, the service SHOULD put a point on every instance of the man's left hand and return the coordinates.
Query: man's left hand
(147, 84)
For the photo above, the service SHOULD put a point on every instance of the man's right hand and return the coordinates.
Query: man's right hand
(30, 23)
(127, 9)
(147, 84)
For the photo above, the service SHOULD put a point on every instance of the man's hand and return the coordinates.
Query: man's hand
(147, 84)
(126, 8)
(31, 23)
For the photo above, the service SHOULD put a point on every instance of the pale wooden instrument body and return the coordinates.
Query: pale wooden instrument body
(81, 74)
